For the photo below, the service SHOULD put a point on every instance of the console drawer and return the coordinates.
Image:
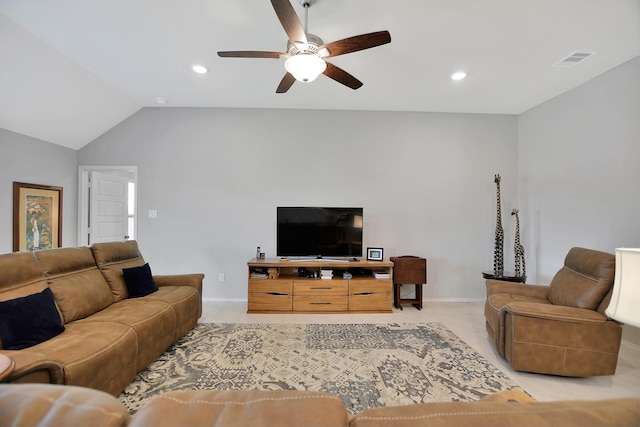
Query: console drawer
(371, 302)
(270, 295)
(321, 287)
(364, 286)
(268, 302)
(270, 286)
(320, 303)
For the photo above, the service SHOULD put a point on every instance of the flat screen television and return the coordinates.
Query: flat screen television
(319, 232)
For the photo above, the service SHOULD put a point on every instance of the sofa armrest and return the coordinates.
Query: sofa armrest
(193, 280)
(511, 288)
(555, 312)
(34, 367)
(559, 340)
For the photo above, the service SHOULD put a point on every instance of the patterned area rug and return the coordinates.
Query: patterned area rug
(367, 365)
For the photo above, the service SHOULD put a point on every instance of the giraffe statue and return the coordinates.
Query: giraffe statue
(498, 252)
(518, 249)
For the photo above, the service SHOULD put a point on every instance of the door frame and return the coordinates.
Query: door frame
(84, 172)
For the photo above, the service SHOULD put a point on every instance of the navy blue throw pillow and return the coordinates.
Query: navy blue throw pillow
(30, 320)
(139, 281)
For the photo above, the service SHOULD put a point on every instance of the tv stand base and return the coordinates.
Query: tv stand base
(275, 286)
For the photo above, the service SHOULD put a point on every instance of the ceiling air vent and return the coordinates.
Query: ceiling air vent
(574, 59)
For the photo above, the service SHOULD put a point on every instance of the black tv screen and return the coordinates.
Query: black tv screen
(319, 232)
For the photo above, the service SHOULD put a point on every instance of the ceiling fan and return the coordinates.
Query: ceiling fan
(306, 53)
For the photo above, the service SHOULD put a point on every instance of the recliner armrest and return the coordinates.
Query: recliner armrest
(554, 312)
(511, 288)
(193, 280)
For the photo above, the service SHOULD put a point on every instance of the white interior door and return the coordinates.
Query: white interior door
(108, 215)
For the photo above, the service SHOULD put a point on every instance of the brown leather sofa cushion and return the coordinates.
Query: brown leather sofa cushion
(584, 280)
(78, 286)
(111, 258)
(282, 408)
(46, 405)
(185, 302)
(154, 323)
(21, 275)
(619, 412)
(98, 355)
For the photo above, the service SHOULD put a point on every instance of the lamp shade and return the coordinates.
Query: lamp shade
(305, 67)
(625, 299)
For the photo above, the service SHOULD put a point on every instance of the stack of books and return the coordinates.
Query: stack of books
(258, 273)
(380, 274)
(326, 274)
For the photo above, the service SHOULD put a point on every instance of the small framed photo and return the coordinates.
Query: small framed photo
(374, 254)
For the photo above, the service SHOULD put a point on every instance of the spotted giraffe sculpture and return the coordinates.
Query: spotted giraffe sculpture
(518, 249)
(498, 252)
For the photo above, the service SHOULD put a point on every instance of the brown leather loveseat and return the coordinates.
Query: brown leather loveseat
(42, 405)
(560, 329)
(67, 316)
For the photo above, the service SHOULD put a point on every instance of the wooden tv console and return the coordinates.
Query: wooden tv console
(291, 293)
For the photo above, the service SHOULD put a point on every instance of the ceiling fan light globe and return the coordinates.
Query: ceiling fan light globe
(305, 67)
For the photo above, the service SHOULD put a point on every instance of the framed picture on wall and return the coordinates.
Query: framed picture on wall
(37, 217)
(374, 254)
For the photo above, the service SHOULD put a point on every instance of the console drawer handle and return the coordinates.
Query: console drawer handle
(276, 293)
(321, 287)
(321, 303)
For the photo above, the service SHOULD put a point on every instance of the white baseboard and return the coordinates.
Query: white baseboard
(424, 300)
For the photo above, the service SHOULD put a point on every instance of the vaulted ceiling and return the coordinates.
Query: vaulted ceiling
(72, 69)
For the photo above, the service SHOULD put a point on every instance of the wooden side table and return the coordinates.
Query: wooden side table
(7, 365)
(408, 270)
(505, 276)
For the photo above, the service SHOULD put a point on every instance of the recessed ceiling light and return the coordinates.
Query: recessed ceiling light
(162, 101)
(458, 75)
(200, 69)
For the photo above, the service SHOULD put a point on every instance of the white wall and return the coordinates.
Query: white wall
(215, 176)
(26, 159)
(579, 170)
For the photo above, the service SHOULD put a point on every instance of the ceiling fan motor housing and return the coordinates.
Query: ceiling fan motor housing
(313, 43)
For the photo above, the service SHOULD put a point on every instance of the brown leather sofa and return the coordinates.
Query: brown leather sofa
(53, 405)
(560, 329)
(108, 337)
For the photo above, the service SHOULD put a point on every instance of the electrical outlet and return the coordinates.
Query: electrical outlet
(221, 277)
(153, 213)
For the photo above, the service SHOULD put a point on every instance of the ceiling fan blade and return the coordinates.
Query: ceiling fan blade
(341, 76)
(290, 21)
(356, 43)
(287, 81)
(250, 54)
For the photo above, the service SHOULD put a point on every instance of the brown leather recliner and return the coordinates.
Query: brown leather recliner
(560, 329)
